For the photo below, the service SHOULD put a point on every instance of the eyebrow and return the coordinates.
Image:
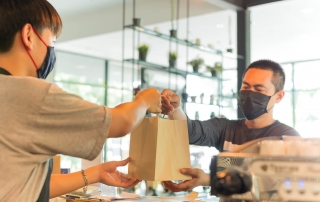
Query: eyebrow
(256, 85)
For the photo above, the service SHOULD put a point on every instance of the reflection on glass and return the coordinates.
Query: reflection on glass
(283, 110)
(89, 93)
(115, 96)
(306, 75)
(115, 75)
(307, 113)
(79, 69)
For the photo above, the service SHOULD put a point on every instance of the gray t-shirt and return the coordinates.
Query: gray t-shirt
(226, 135)
(37, 121)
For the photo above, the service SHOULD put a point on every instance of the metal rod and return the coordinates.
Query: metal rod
(123, 42)
(293, 97)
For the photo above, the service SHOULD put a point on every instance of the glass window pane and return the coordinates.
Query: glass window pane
(283, 110)
(287, 68)
(87, 92)
(79, 69)
(307, 113)
(115, 75)
(306, 75)
(115, 95)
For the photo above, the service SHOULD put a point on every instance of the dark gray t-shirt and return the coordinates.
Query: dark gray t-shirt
(226, 135)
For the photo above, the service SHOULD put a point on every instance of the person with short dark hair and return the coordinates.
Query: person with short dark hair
(39, 120)
(262, 88)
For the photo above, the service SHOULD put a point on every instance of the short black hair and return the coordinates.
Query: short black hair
(14, 14)
(279, 77)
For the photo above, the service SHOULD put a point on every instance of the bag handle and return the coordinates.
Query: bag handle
(165, 115)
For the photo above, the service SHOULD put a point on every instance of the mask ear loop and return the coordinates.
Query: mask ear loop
(269, 101)
(35, 31)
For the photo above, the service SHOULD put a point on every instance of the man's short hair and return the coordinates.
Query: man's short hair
(278, 78)
(14, 14)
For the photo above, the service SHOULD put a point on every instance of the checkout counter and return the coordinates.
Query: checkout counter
(268, 169)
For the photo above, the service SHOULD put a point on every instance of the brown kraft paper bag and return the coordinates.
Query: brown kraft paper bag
(159, 148)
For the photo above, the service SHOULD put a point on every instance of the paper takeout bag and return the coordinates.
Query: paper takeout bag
(159, 148)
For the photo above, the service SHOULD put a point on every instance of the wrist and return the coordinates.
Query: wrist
(93, 174)
(142, 102)
(206, 180)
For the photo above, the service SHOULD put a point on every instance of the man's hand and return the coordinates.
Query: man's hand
(109, 175)
(169, 101)
(199, 178)
(152, 98)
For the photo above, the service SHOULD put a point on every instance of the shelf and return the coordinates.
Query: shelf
(181, 41)
(167, 69)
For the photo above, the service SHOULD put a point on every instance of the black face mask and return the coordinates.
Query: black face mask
(253, 104)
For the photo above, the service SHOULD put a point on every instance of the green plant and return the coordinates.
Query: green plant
(210, 68)
(196, 62)
(218, 67)
(173, 55)
(143, 48)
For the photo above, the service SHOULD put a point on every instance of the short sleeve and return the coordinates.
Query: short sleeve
(67, 124)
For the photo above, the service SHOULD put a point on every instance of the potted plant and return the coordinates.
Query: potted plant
(218, 68)
(212, 70)
(172, 59)
(136, 21)
(143, 50)
(196, 64)
(173, 32)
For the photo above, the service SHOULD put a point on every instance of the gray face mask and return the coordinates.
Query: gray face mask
(253, 104)
(49, 60)
(48, 63)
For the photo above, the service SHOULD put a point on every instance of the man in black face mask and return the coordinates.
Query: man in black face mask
(262, 88)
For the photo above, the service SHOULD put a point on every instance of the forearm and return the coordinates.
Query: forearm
(203, 133)
(65, 183)
(126, 117)
(178, 114)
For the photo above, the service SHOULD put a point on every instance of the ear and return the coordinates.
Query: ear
(26, 35)
(280, 95)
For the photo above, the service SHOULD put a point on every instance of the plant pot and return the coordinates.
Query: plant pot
(172, 63)
(184, 97)
(173, 33)
(213, 73)
(193, 98)
(195, 68)
(136, 21)
(142, 55)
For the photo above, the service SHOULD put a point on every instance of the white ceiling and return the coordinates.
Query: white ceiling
(68, 8)
(281, 31)
(102, 20)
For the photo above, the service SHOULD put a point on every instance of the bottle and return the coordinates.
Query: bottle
(196, 116)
